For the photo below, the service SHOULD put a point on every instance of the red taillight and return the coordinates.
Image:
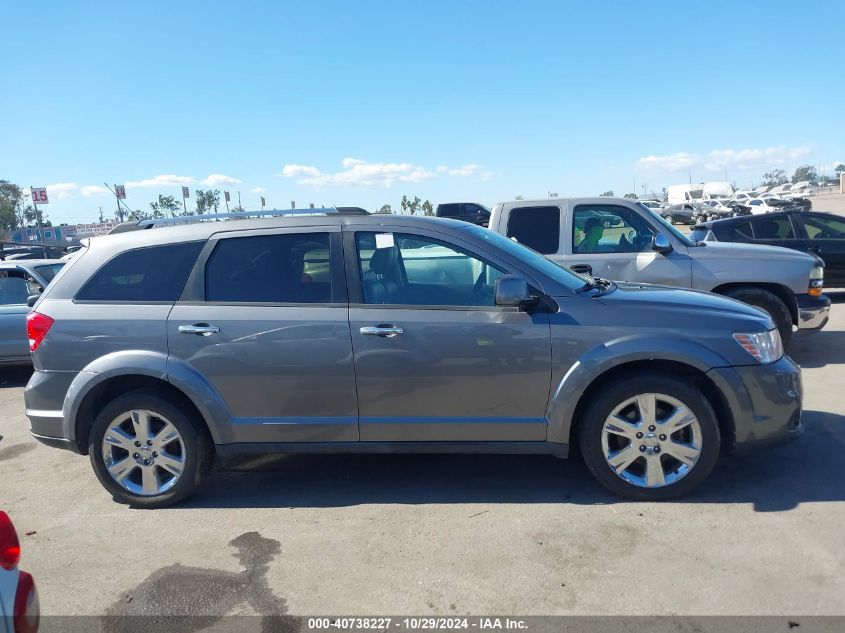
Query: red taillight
(27, 609)
(10, 547)
(37, 326)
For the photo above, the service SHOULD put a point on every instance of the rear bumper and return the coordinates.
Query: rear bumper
(765, 402)
(44, 397)
(813, 313)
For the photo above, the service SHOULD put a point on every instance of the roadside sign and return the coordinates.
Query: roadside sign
(120, 192)
(262, 202)
(226, 194)
(39, 195)
(186, 193)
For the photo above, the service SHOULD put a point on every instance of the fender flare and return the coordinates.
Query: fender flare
(204, 397)
(566, 394)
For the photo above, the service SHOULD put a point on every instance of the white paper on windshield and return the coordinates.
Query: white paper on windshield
(384, 240)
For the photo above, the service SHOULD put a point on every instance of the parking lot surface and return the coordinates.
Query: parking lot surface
(444, 534)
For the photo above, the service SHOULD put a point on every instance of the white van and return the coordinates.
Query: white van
(678, 194)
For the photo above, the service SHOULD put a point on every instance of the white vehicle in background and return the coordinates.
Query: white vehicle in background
(780, 190)
(745, 196)
(19, 608)
(717, 190)
(679, 194)
(655, 205)
(762, 189)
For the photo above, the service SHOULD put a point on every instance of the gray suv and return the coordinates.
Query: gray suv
(156, 350)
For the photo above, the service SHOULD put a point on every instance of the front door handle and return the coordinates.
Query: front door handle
(388, 331)
(202, 329)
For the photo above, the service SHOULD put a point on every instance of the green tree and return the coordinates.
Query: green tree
(805, 172)
(632, 196)
(207, 201)
(385, 208)
(608, 194)
(774, 178)
(427, 208)
(166, 206)
(11, 199)
(839, 169)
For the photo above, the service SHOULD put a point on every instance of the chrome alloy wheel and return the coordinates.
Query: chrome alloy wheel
(651, 440)
(143, 452)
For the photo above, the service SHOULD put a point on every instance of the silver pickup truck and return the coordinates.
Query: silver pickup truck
(624, 240)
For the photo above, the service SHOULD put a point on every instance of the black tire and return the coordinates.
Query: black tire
(770, 303)
(198, 447)
(611, 396)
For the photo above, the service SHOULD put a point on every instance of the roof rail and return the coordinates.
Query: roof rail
(234, 215)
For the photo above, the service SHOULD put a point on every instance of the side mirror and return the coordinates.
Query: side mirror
(660, 243)
(31, 299)
(512, 291)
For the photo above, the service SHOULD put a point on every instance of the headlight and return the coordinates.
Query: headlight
(816, 281)
(766, 347)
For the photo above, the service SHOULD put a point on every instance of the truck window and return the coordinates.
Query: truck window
(536, 227)
(609, 229)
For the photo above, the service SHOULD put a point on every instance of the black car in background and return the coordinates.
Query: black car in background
(467, 211)
(810, 231)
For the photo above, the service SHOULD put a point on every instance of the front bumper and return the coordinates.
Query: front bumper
(764, 401)
(813, 313)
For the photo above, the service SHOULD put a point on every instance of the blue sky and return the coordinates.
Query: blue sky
(360, 103)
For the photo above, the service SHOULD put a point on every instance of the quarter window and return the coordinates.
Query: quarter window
(415, 270)
(156, 273)
(14, 287)
(282, 268)
(610, 229)
(536, 227)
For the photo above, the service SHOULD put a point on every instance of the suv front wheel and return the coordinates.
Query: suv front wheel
(147, 451)
(650, 437)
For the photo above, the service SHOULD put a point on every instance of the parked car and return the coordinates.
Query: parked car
(645, 248)
(20, 279)
(389, 334)
(744, 196)
(12, 250)
(679, 213)
(20, 611)
(820, 233)
(654, 205)
(467, 211)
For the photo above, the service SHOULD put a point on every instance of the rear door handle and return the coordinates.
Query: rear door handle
(202, 329)
(388, 331)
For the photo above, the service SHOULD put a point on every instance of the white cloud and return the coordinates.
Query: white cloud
(466, 170)
(720, 159)
(163, 180)
(61, 190)
(488, 174)
(358, 172)
(258, 190)
(441, 168)
(215, 180)
(89, 191)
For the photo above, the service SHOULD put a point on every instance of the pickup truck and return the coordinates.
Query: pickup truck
(622, 240)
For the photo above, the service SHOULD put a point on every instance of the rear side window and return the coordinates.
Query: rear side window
(536, 227)
(155, 273)
(284, 268)
(741, 232)
(449, 211)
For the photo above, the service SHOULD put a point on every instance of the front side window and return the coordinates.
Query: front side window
(536, 227)
(282, 268)
(405, 269)
(610, 229)
(824, 228)
(155, 273)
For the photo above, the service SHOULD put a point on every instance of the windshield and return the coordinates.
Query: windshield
(48, 271)
(668, 226)
(560, 274)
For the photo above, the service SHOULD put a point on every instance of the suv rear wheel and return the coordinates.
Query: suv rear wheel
(650, 437)
(147, 451)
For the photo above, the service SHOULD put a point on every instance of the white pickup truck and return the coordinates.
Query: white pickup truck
(622, 240)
